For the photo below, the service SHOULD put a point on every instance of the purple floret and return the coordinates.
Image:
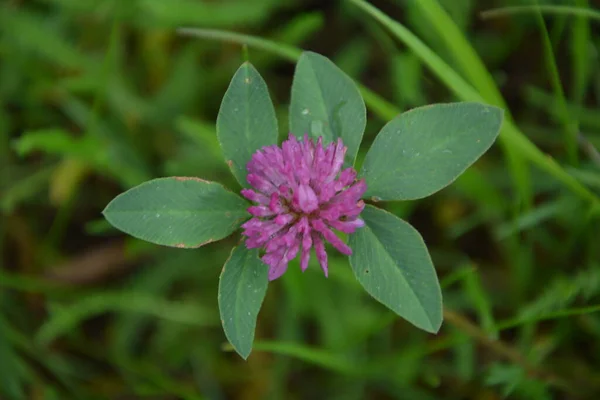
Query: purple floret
(301, 195)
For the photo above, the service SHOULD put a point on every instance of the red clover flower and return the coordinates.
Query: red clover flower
(301, 196)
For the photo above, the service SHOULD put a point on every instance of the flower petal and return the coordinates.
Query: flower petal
(331, 237)
(321, 253)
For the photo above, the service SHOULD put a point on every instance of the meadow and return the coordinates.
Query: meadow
(98, 96)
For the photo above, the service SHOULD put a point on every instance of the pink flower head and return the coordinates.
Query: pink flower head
(301, 195)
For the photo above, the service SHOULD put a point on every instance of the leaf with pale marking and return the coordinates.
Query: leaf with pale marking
(326, 102)
(246, 120)
(391, 261)
(424, 150)
(242, 288)
(178, 211)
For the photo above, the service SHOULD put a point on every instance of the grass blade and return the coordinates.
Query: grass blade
(580, 65)
(66, 320)
(380, 107)
(570, 127)
(510, 136)
(512, 323)
(477, 74)
(544, 9)
(309, 355)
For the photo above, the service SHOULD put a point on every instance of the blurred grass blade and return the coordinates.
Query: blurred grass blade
(156, 280)
(66, 320)
(60, 142)
(510, 136)
(448, 76)
(322, 358)
(570, 127)
(587, 116)
(544, 9)
(590, 178)
(205, 13)
(24, 188)
(290, 53)
(27, 284)
(477, 74)
(481, 303)
(381, 107)
(34, 32)
(533, 218)
(580, 56)
(296, 31)
(464, 54)
(458, 275)
(570, 312)
(11, 367)
(556, 298)
(300, 28)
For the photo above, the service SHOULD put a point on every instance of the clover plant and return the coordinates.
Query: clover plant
(297, 195)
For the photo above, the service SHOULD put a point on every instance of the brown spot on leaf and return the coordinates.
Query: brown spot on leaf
(230, 163)
(203, 243)
(190, 178)
(186, 246)
(228, 214)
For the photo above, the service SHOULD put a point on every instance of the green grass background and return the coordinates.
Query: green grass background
(97, 96)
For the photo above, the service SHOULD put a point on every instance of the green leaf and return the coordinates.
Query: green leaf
(326, 102)
(242, 288)
(390, 260)
(178, 211)
(246, 120)
(424, 150)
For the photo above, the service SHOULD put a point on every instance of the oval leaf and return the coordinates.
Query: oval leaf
(391, 261)
(246, 120)
(242, 288)
(179, 211)
(424, 150)
(326, 102)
